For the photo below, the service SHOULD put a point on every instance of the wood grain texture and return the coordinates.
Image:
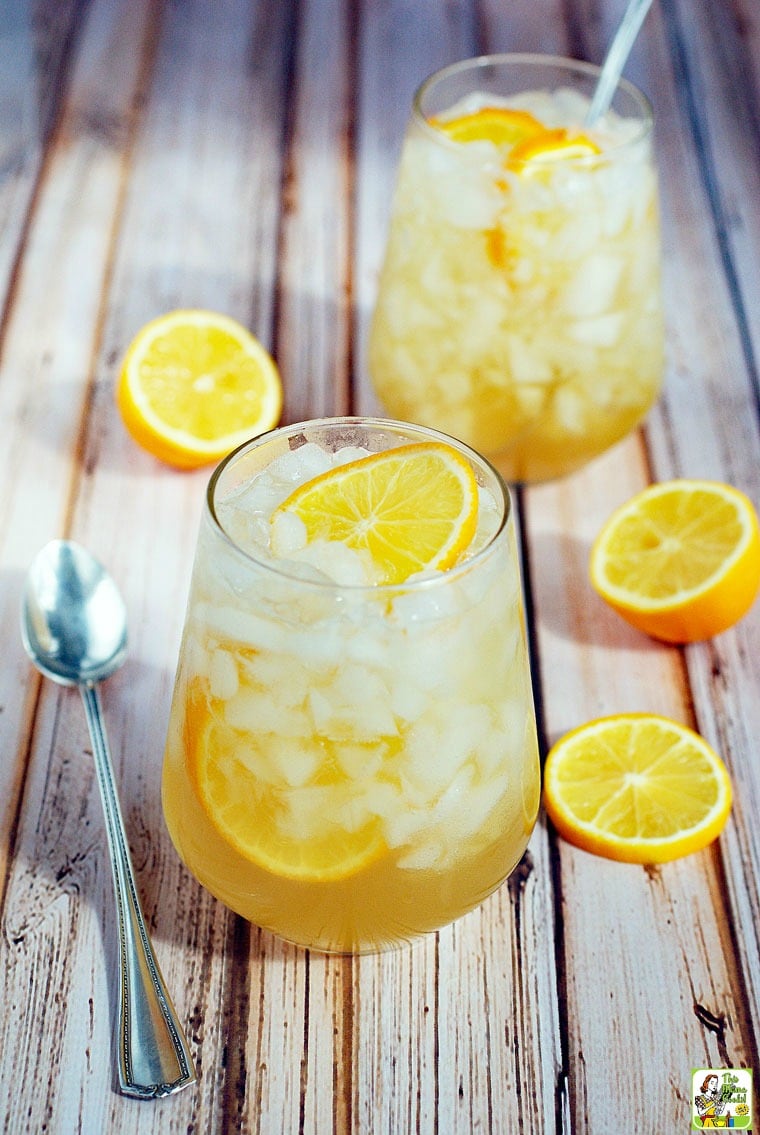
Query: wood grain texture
(241, 155)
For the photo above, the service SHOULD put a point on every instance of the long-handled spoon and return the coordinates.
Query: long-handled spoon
(74, 628)
(613, 65)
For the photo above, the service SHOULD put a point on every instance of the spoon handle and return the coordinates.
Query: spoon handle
(616, 58)
(154, 1059)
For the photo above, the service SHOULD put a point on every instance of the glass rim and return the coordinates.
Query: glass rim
(532, 59)
(423, 582)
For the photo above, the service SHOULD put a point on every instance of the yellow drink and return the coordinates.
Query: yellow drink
(348, 765)
(519, 305)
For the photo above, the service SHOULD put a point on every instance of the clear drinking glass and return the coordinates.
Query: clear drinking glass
(519, 305)
(347, 765)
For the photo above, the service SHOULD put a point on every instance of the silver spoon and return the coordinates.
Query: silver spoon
(74, 627)
(613, 65)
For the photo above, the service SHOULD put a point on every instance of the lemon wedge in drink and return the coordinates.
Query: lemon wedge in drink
(254, 814)
(550, 146)
(500, 125)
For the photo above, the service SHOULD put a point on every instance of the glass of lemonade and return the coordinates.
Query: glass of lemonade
(350, 762)
(519, 305)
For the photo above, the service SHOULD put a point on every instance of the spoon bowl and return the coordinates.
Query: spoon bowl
(74, 622)
(74, 629)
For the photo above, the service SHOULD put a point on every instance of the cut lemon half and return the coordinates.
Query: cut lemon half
(636, 787)
(252, 815)
(497, 124)
(194, 385)
(552, 146)
(680, 560)
(411, 508)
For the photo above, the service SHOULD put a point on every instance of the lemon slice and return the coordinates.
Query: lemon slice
(551, 146)
(638, 788)
(500, 125)
(195, 384)
(412, 508)
(253, 815)
(680, 560)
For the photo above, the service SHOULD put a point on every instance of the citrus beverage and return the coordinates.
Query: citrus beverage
(519, 304)
(351, 757)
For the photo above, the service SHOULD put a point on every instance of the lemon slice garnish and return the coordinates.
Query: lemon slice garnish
(411, 508)
(551, 146)
(500, 125)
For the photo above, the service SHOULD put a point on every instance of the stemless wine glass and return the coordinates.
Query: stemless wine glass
(519, 305)
(348, 765)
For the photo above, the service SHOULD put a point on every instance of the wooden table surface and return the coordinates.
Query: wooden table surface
(239, 155)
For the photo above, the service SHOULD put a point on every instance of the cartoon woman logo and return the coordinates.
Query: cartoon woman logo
(711, 1104)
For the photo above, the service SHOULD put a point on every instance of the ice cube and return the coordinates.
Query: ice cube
(195, 651)
(465, 198)
(489, 519)
(289, 681)
(580, 234)
(426, 605)
(299, 465)
(295, 762)
(599, 330)
(257, 497)
(527, 364)
(591, 290)
(455, 800)
(360, 762)
(353, 814)
(383, 799)
(408, 701)
(365, 717)
(307, 810)
(426, 856)
(349, 453)
(571, 409)
(405, 825)
(288, 534)
(569, 106)
(436, 752)
(223, 675)
(233, 624)
(469, 815)
(254, 711)
(340, 563)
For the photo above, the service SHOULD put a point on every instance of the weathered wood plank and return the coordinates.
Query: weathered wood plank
(627, 934)
(36, 45)
(399, 46)
(189, 232)
(314, 284)
(715, 49)
(200, 227)
(513, 27)
(724, 113)
(613, 985)
(47, 354)
(275, 1040)
(59, 887)
(396, 1031)
(243, 159)
(497, 1003)
(26, 401)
